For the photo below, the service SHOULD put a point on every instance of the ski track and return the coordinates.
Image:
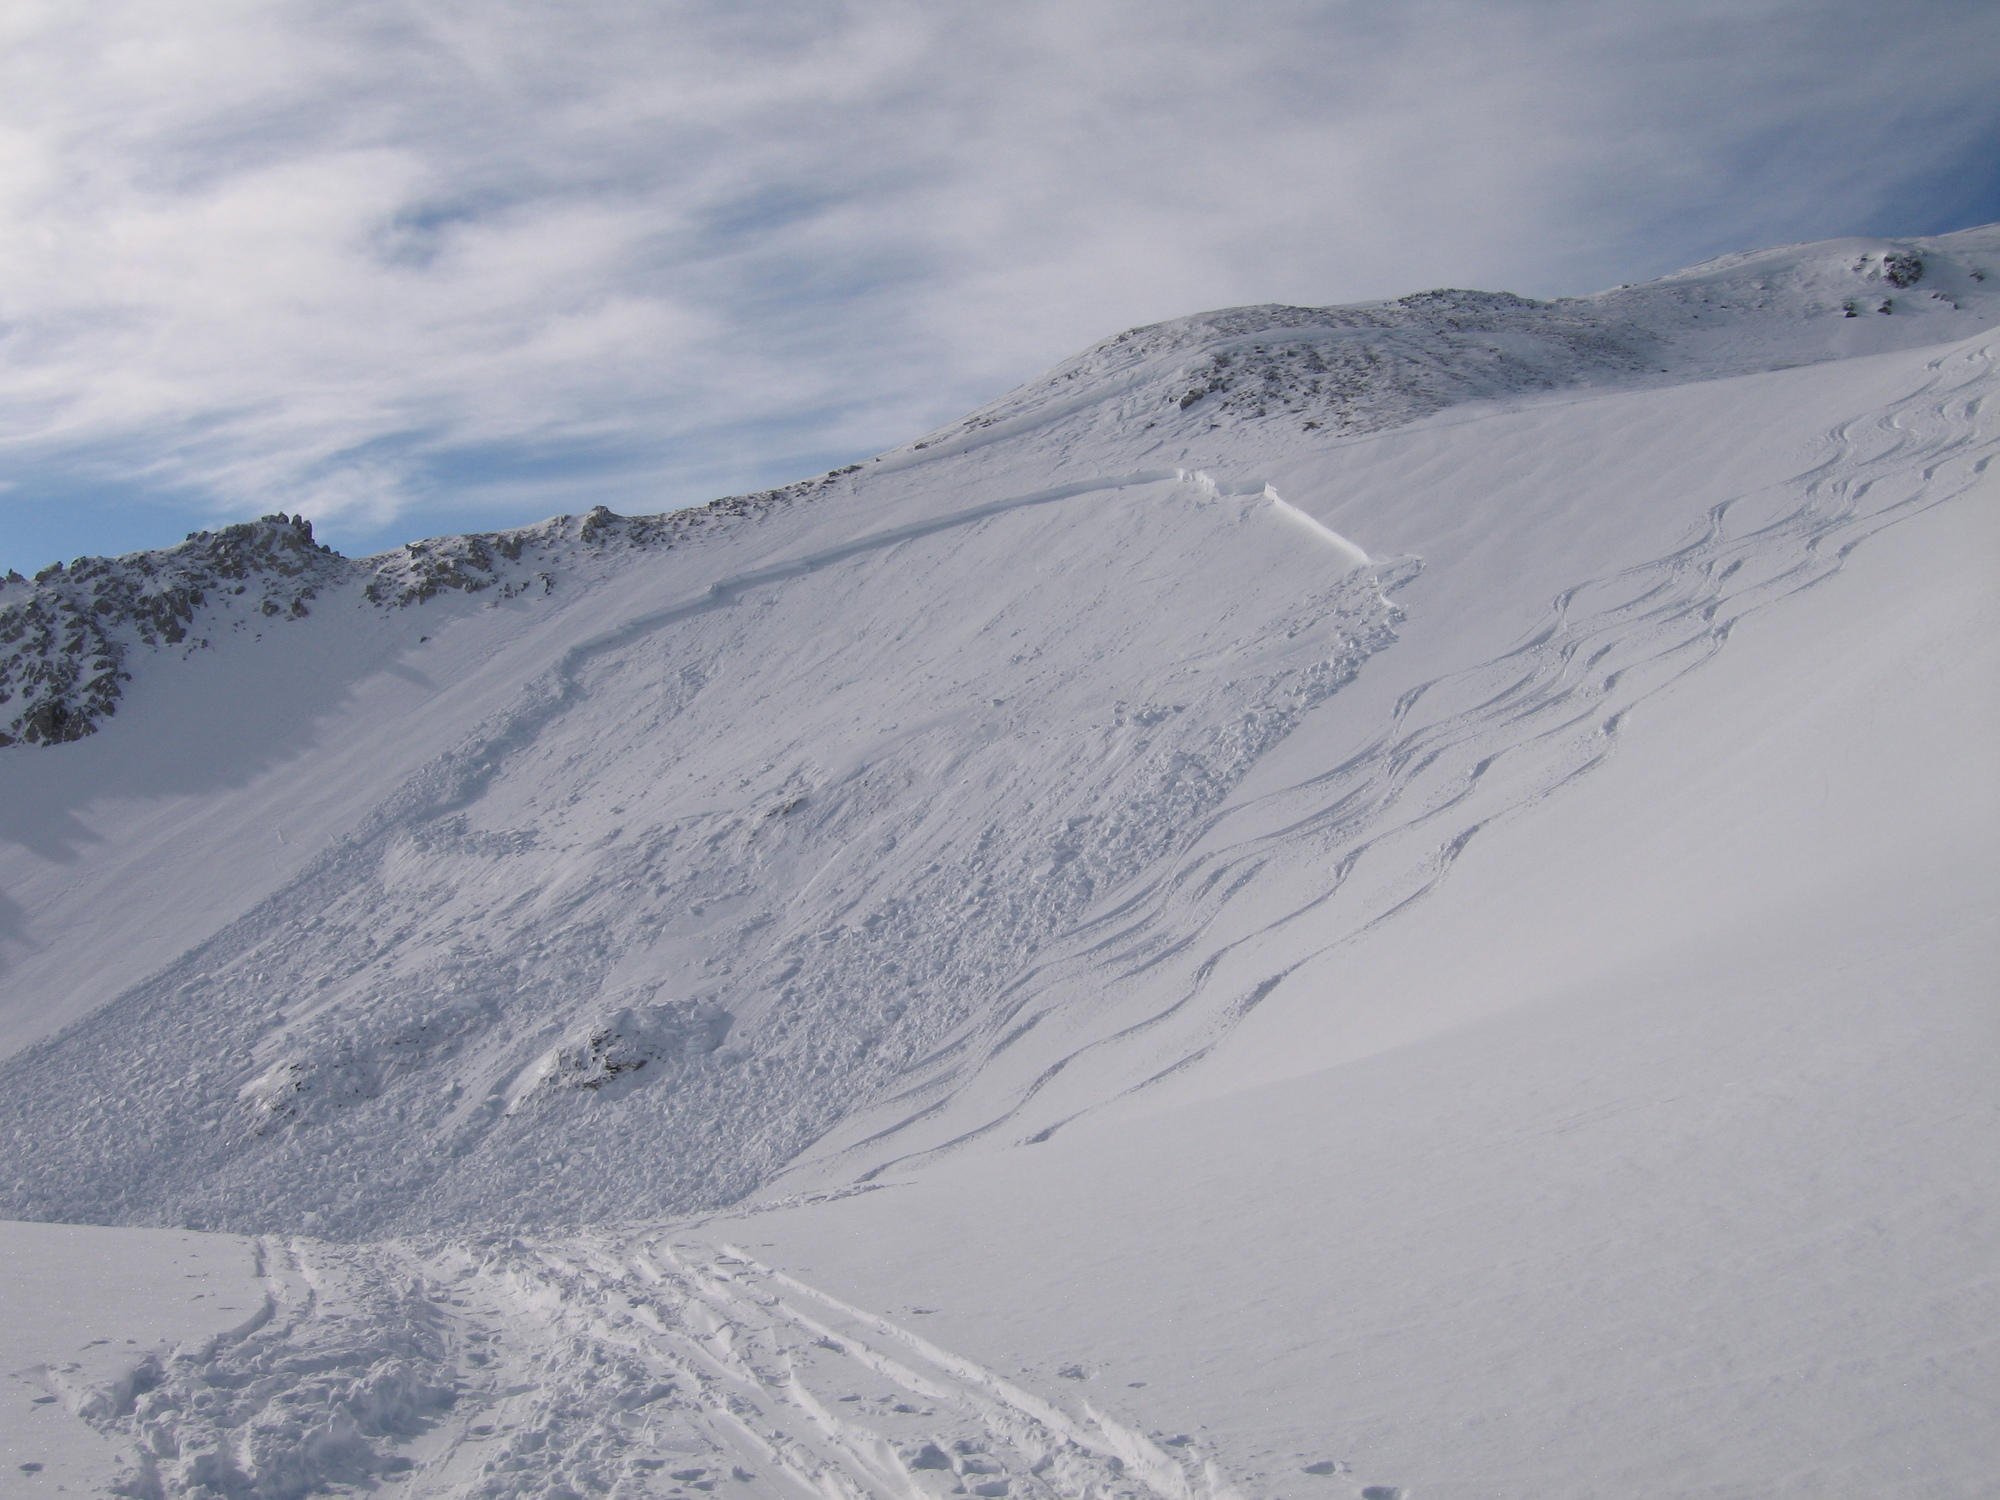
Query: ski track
(1350, 847)
(620, 1364)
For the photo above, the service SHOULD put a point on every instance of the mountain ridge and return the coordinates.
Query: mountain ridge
(1341, 371)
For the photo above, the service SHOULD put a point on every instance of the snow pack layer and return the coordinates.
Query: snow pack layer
(635, 858)
(740, 856)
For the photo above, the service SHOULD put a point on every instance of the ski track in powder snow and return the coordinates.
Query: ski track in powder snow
(626, 1364)
(1343, 851)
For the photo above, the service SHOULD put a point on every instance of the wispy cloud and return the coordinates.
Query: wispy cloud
(419, 264)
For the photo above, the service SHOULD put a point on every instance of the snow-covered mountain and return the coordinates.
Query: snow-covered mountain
(1306, 893)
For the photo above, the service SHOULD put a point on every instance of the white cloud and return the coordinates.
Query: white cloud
(389, 263)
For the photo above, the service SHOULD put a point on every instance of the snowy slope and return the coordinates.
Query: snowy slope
(1652, 1155)
(1456, 828)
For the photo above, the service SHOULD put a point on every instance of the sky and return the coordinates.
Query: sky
(411, 267)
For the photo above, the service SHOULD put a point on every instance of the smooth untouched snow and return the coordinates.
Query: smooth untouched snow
(1385, 902)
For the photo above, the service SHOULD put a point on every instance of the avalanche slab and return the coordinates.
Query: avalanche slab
(725, 869)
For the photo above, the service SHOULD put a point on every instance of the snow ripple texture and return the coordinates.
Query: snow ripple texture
(1155, 979)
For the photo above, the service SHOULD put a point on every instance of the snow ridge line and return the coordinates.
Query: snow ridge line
(1379, 832)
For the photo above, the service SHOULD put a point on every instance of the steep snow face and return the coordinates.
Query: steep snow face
(630, 864)
(1613, 547)
(736, 861)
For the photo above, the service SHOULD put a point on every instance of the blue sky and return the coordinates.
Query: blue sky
(419, 266)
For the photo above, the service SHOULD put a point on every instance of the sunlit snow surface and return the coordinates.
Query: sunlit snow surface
(1348, 901)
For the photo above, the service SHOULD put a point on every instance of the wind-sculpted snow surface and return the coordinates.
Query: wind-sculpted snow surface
(1157, 977)
(718, 879)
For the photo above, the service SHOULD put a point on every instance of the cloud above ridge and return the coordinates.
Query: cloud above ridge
(411, 265)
